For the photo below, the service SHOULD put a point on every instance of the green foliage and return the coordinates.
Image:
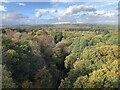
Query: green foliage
(46, 43)
(41, 32)
(69, 60)
(20, 55)
(26, 84)
(76, 56)
(78, 45)
(82, 66)
(65, 84)
(43, 79)
(11, 52)
(58, 37)
(81, 82)
(7, 81)
(105, 77)
(112, 40)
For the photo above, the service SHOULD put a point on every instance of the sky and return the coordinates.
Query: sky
(55, 12)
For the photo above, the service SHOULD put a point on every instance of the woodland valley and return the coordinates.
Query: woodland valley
(60, 56)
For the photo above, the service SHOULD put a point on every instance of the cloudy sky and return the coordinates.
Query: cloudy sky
(34, 13)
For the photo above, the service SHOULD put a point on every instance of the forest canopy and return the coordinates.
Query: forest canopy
(53, 57)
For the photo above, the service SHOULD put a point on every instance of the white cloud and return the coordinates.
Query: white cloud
(22, 4)
(42, 10)
(100, 12)
(53, 11)
(3, 8)
(72, 14)
(106, 13)
(14, 18)
(4, 1)
(13, 15)
(47, 10)
(62, 23)
(110, 3)
(76, 9)
(38, 14)
(64, 1)
(110, 14)
(100, 16)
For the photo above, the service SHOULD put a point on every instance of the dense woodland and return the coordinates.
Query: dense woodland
(60, 56)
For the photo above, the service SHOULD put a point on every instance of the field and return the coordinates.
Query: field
(60, 56)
